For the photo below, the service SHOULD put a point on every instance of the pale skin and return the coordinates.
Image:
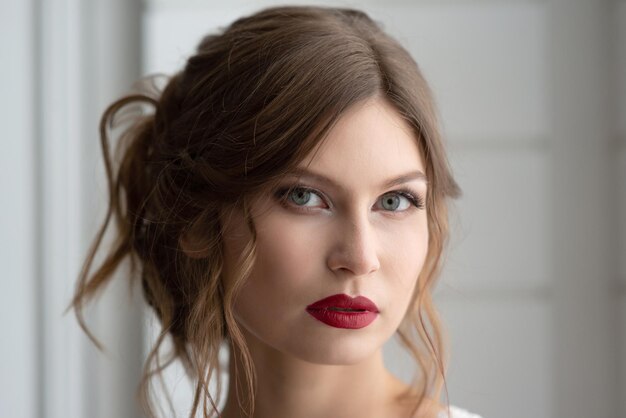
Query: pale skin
(354, 231)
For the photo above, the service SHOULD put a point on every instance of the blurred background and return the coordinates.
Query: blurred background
(532, 95)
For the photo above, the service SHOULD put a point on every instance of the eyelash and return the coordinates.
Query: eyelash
(282, 195)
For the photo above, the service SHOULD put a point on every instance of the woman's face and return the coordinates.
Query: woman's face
(354, 224)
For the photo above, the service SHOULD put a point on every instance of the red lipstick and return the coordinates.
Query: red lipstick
(342, 311)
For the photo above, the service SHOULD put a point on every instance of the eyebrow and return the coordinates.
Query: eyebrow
(404, 178)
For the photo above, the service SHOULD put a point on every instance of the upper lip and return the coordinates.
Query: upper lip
(344, 301)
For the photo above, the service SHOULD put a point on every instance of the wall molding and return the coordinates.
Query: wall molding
(87, 53)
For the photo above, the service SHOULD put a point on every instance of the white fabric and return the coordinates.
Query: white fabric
(458, 413)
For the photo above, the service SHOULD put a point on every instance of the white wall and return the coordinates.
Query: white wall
(584, 208)
(18, 343)
(62, 60)
(620, 68)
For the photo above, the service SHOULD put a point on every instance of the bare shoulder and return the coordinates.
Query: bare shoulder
(428, 408)
(405, 405)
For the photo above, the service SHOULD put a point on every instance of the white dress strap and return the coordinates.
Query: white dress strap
(456, 412)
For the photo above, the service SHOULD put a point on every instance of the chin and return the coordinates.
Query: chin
(336, 352)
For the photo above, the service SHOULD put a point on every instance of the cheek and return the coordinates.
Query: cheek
(404, 257)
(286, 249)
(287, 263)
(404, 252)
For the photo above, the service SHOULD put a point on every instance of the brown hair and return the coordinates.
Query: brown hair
(252, 102)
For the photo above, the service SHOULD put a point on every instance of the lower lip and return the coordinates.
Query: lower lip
(341, 319)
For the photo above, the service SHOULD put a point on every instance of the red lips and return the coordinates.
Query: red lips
(344, 301)
(361, 313)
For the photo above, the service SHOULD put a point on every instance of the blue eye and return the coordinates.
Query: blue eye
(304, 197)
(400, 200)
(395, 202)
(300, 197)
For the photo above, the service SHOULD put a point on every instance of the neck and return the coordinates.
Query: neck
(290, 387)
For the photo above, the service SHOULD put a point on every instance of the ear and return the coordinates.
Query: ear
(192, 247)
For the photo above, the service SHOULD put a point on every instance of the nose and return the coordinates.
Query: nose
(354, 249)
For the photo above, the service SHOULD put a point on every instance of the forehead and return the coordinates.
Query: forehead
(370, 142)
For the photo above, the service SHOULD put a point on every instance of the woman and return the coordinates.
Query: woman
(288, 198)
